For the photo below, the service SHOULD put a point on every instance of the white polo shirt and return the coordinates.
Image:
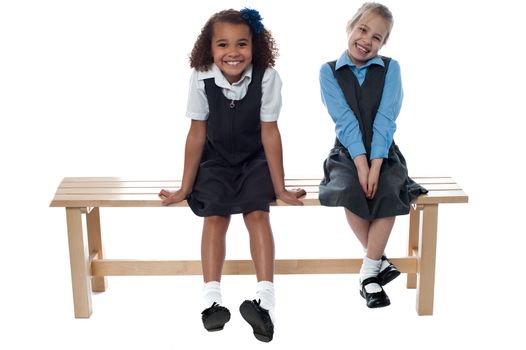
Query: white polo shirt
(197, 107)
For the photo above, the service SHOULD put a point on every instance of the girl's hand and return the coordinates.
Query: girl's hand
(362, 167)
(372, 179)
(169, 197)
(291, 196)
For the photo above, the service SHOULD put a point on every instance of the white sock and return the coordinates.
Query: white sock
(211, 294)
(265, 293)
(370, 268)
(384, 265)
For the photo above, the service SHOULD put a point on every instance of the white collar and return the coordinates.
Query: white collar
(219, 78)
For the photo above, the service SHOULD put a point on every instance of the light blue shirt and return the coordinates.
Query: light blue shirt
(347, 127)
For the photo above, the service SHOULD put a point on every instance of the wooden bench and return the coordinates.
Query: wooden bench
(89, 268)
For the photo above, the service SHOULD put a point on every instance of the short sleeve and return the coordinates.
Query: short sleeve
(271, 95)
(197, 106)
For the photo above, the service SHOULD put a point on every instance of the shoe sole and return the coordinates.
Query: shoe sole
(251, 315)
(216, 321)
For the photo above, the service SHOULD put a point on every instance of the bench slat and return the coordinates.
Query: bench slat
(127, 192)
(134, 190)
(435, 197)
(152, 200)
(91, 182)
(155, 190)
(134, 200)
(133, 182)
(118, 184)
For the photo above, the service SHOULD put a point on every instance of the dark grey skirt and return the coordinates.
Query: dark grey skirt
(223, 189)
(341, 187)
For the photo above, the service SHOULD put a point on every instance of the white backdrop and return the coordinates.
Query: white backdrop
(98, 88)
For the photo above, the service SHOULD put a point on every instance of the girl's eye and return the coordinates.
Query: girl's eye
(377, 38)
(223, 45)
(362, 29)
(242, 44)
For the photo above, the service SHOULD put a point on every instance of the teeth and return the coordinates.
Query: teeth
(232, 63)
(361, 48)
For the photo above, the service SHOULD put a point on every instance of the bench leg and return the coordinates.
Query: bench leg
(427, 259)
(79, 261)
(98, 284)
(412, 245)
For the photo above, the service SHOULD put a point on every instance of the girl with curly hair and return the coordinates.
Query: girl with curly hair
(233, 156)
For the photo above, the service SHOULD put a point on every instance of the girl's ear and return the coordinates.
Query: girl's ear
(348, 27)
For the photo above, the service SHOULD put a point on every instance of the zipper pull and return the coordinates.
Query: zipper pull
(232, 104)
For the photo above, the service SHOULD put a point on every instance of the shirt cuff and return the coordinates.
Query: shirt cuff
(269, 118)
(378, 152)
(356, 149)
(196, 116)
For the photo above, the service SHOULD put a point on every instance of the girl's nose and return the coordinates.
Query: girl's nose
(233, 51)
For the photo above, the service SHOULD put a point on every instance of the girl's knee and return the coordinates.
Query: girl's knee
(256, 216)
(216, 222)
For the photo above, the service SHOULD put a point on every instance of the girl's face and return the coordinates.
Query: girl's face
(366, 38)
(232, 49)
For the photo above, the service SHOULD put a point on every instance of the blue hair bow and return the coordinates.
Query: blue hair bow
(253, 18)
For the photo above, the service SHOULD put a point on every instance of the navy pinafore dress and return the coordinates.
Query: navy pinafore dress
(340, 185)
(233, 175)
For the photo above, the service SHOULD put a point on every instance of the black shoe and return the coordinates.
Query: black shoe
(259, 319)
(215, 317)
(388, 274)
(374, 300)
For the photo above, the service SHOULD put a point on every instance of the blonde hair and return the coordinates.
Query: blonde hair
(376, 8)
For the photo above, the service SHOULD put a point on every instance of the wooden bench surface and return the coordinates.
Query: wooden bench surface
(81, 192)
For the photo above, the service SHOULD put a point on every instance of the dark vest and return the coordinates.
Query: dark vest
(364, 100)
(234, 127)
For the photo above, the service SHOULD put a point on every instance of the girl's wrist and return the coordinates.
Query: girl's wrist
(377, 162)
(185, 191)
(280, 192)
(360, 162)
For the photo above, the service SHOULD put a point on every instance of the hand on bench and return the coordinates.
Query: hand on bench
(288, 196)
(291, 196)
(170, 197)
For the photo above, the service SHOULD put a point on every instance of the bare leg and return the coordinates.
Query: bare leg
(213, 246)
(379, 232)
(261, 244)
(359, 226)
(373, 235)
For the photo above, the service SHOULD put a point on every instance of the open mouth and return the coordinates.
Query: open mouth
(232, 63)
(362, 49)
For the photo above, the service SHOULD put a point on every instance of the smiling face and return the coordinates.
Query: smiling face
(232, 49)
(366, 38)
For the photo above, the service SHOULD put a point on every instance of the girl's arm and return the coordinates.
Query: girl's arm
(384, 125)
(195, 142)
(346, 124)
(271, 139)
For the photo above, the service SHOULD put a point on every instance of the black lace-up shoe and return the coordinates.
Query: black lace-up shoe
(374, 300)
(259, 319)
(215, 317)
(388, 274)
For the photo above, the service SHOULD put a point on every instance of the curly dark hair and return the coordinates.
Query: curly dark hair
(264, 49)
